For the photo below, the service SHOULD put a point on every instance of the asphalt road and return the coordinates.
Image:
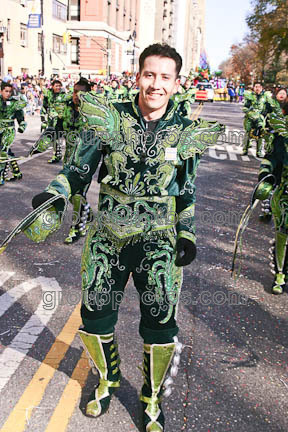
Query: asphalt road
(233, 374)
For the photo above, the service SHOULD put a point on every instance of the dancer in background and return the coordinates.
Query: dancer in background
(11, 108)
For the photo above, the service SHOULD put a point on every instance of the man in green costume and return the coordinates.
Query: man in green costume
(54, 102)
(185, 99)
(11, 108)
(144, 226)
(72, 126)
(274, 172)
(255, 104)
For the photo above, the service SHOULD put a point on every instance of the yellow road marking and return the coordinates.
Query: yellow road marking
(34, 392)
(70, 397)
(197, 112)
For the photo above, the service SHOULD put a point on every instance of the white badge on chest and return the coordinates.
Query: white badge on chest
(171, 153)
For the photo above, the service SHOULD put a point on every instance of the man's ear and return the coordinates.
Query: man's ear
(176, 86)
(137, 78)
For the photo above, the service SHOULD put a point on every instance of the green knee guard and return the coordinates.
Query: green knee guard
(157, 359)
(103, 355)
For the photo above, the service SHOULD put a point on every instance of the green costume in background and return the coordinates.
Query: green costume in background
(129, 94)
(184, 101)
(72, 126)
(114, 94)
(52, 121)
(9, 111)
(276, 162)
(255, 109)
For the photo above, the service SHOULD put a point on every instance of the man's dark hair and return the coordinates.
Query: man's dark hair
(258, 82)
(161, 50)
(5, 84)
(56, 82)
(83, 82)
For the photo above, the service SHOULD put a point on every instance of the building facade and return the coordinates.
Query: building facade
(181, 23)
(33, 46)
(104, 36)
(95, 37)
(147, 25)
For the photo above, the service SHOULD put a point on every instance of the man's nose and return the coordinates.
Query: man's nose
(156, 82)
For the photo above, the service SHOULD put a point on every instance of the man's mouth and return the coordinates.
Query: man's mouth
(154, 95)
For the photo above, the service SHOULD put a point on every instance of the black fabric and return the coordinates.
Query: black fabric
(186, 252)
(41, 198)
(270, 179)
(151, 125)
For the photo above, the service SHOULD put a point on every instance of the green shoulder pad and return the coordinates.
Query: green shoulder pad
(195, 138)
(249, 95)
(18, 104)
(98, 113)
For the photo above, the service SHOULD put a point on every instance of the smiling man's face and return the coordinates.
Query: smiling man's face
(157, 83)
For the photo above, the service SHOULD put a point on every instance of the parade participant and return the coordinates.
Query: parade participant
(94, 86)
(129, 91)
(145, 223)
(275, 163)
(276, 104)
(113, 92)
(254, 121)
(72, 126)
(52, 116)
(184, 99)
(11, 108)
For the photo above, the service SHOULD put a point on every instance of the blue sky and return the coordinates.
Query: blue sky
(225, 25)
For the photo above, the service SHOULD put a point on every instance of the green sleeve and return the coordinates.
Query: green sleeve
(185, 202)
(81, 167)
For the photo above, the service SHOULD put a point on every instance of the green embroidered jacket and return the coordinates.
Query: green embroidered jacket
(184, 101)
(72, 126)
(9, 111)
(255, 109)
(147, 178)
(53, 106)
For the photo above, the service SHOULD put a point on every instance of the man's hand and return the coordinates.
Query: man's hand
(39, 199)
(264, 188)
(270, 179)
(186, 252)
(21, 129)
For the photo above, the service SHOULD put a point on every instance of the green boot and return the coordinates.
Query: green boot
(54, 159)
(57, 152)
(103, 354)
(16, 173)
(279, 262)
(278, 284)
(157, 359)
(246, 145)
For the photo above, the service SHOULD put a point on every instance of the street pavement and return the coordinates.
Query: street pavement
(233, 371)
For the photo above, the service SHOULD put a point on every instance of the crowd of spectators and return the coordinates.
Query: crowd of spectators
(30, 88)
